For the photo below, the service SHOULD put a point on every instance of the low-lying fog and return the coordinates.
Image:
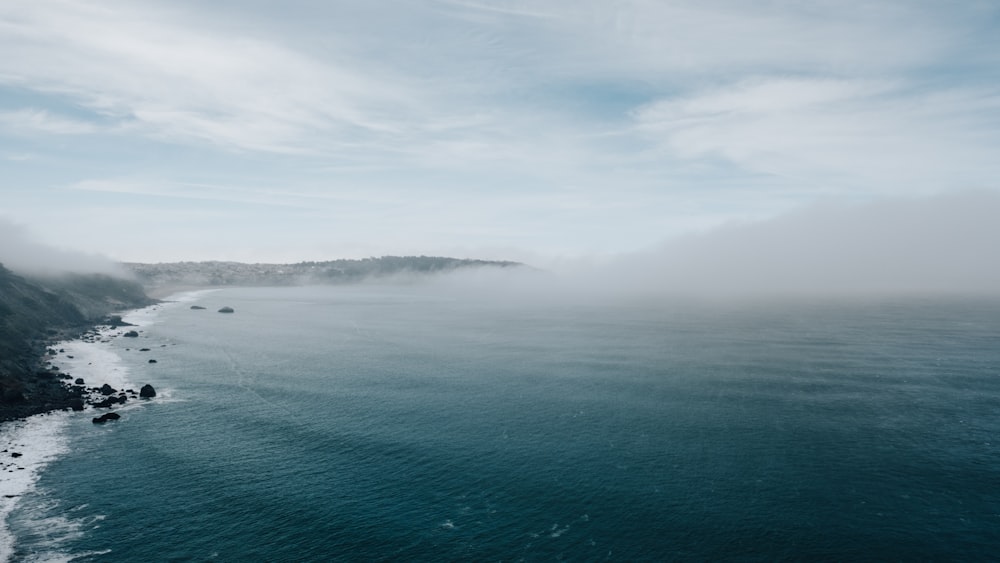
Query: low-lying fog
(943, 244)
(20, 253)
(934, 245)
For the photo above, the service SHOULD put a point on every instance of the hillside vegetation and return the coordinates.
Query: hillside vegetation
(36, 311)
(301, 273)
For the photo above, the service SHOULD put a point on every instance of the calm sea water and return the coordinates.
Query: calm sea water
(399, 423)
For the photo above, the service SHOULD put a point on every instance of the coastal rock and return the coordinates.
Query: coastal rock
(131, 334)
(147, 391)
(79, 381)
(36, 313)
(106, 417)
(106, 403)
(144, 349)
(108, 390)
(197, 307)
(76, 404)
(152, 361)
(116, 321)
(226, 310)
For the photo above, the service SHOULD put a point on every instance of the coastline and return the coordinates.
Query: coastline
(29, 443)
(170, 293)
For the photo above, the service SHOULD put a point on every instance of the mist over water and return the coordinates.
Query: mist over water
(917, 246)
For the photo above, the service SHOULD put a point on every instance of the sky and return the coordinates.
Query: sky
(542, 131)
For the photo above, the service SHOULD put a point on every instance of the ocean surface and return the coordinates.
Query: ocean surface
(412, 423)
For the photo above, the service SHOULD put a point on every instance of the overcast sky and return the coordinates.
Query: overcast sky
(267, 131)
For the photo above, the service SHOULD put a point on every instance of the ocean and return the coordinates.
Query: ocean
(410, 422)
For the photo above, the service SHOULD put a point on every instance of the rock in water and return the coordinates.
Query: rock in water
(131, 334)
(108, 390)
(197, 307)
(147, 391)
(152, 361)
(226, 310)
(106, 417)
(106, 403)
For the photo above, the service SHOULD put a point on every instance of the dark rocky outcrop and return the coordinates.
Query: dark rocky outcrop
(131, 334)
(197, 307)
(108, 390)
(79, 381)
(106, 417)
(226, 310)
(147, 391)
(152, 361)
(106, 403)
(116, 321)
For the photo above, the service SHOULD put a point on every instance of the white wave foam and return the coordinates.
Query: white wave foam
(96, 362)
(38, 439)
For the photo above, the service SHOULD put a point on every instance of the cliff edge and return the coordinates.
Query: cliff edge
(38, 311)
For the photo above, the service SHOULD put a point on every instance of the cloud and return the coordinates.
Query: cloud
(855, 134)
(31, 120)
(571, 127)
(22, 253)
(165, 73)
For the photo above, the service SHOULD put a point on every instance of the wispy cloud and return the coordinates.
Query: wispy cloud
(32, 121)
(833, 133)
(168, 74)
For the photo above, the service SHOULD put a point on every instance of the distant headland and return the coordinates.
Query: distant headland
(344, 271)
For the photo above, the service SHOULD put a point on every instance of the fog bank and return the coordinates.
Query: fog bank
(21, 253)
(935, 245)
(941, 244)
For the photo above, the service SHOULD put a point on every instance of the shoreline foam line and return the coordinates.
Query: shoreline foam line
(39, 439)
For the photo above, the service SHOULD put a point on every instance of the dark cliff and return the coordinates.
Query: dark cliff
(36, 311)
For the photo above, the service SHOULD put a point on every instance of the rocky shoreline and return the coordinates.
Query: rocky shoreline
(37, 314)
(46, 388)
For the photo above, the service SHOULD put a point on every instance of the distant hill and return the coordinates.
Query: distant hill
(302, 273)
(35, 311)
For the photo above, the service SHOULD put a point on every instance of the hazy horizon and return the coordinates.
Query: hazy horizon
(939, 244)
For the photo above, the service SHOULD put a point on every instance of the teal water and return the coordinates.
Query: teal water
(401, 423)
